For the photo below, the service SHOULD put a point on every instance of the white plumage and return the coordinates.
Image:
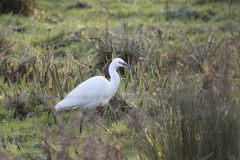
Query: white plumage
(94, 91)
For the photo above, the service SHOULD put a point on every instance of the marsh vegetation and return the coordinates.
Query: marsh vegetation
(180, 102)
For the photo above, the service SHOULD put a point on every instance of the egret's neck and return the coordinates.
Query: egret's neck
(115, 78)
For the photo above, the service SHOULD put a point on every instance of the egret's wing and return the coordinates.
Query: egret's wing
(86, 95)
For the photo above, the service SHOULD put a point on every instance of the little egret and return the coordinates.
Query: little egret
(94, 91)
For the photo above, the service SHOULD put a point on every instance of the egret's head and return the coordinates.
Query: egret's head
(118, 62)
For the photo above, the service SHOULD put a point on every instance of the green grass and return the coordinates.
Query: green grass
(190, 112)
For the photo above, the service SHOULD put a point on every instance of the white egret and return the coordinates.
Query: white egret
(94, 91)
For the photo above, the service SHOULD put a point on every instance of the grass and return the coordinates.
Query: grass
(181, 102)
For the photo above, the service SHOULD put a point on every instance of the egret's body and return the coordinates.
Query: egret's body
(94, 91)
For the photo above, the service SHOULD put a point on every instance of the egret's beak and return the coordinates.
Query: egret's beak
(126, 65)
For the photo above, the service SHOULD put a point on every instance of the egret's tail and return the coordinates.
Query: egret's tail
(67, 103)
(59, 106)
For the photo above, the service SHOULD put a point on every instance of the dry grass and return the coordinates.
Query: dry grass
(182, 99)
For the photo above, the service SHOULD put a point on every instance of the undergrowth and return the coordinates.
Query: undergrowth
(180, 102)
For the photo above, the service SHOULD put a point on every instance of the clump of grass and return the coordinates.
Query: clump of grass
(25, 7)
(181, 121)
(128, 45)
(183, 131)
(115, 109)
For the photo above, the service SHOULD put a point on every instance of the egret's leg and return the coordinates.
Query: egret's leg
(50, 111)
(81, 120)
